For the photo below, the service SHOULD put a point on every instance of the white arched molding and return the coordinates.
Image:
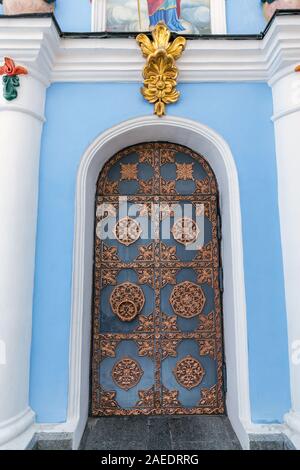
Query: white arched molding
(205, 141)
(217, 14)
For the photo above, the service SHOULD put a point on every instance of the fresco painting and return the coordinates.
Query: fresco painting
(182, 16)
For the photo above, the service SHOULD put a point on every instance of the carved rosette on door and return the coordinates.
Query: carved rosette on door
(157, 329)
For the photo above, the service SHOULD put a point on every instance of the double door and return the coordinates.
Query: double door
(157, 326)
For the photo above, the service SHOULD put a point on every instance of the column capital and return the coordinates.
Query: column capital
(286, 92)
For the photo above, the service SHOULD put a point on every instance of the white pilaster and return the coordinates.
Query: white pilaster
(286, 98)
(21, 124)
(98, 15)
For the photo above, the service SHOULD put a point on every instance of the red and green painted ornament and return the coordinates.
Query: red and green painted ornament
(10, 78)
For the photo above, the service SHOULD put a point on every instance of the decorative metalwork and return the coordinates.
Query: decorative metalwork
(129, 171)
(167, 155)
(145, 347)
(127, 300)
(146, 398)
(160, 72)
(151, 327)
(184, 171)
(187, 299)
(170, 398)
(107, 399)
(146, 276)
(189, 372)
(185, 231)
(207, 322)
(146, 323)
(146, 252)
(203, 186)
(168, 253)
(168, 322)
(168, 187)
(146, 187)
(205, 252)
(110, 253)
(207, 348)
(109, 276)
(205, 276)
(127, 373)
(169, 347)
(127, 231)
(209, 396)
(108, 348)
(167, 210)
(168, 276)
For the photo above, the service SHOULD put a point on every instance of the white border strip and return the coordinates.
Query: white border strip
(202, 140)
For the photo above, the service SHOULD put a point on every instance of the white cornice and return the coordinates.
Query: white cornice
(36, 43)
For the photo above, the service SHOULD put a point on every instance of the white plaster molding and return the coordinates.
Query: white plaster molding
(36, 43)
(205, 141)
(285, 112)
(292, 419)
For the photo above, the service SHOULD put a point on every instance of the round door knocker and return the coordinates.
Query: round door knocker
(127, 300)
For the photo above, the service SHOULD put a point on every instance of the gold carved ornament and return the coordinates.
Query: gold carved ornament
(160, 72)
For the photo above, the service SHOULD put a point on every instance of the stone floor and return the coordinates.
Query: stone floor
(160, 433)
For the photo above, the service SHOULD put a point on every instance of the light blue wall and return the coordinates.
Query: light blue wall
(243, 16)
(76, 114)
(73, 15)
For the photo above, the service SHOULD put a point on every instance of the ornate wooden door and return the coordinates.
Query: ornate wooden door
(157, 326)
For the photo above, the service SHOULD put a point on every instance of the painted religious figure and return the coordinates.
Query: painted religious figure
(183, 16)
(167, 11)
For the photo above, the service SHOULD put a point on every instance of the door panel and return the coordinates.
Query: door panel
(157, 330)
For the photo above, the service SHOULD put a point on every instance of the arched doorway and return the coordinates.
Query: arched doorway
(157, 331)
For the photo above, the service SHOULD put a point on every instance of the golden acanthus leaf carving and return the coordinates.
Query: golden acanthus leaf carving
(160, 72)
